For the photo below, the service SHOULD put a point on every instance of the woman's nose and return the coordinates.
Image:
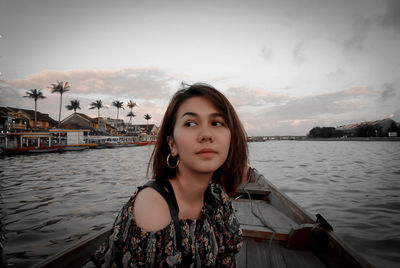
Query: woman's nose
(205, 135)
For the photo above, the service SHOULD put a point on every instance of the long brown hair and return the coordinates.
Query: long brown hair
(230, 174)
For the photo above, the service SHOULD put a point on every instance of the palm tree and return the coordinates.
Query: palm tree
(147, 117)
(35, 95)
(131, 104)
(61, 87)
(130, 114)
(73, 105)
(118, 105)
(97, 105)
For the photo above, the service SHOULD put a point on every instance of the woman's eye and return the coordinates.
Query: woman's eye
(218, 124)
(190, 124)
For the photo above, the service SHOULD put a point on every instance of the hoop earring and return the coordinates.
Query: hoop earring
(169, 165)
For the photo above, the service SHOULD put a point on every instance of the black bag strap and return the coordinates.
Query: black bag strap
(170, 198)
(168, 185)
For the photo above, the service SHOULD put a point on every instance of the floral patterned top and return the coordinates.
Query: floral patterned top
(211, 241)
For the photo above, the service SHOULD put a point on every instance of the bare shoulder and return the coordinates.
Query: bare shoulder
(151, 211)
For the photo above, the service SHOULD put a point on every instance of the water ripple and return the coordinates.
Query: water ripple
(51, 201)
(355, 185)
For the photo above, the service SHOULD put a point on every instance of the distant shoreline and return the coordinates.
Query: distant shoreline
(302, 138)
(355, 139)
(350, 139)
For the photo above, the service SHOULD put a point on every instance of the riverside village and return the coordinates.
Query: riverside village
(291, 234)
(76, 132)
(79, 131)
(30, 131)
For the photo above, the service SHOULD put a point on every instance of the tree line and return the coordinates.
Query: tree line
(362, 130)
(62, 87)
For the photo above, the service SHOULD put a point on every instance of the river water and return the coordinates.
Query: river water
(51, 201)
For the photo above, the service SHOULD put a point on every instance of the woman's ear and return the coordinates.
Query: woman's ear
(172, 146)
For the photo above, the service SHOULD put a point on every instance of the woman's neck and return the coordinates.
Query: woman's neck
(189, 190)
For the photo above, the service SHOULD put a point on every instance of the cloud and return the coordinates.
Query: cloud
(395, 115)
(297, 115)
(299, 53)
(262, 111)
(8, 93)
(266, 53)
(12, 96)
(388, 93)
(150, 88)
(243, 96)
(362, 91)
(391, 18)
(143, 83)
(336, 74)
(355, 43)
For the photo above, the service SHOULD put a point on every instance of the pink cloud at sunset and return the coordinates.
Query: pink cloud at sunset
(262, 111)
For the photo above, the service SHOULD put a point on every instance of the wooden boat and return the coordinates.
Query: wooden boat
(141, 143)
(51, 149)
(277, 233)
(75, 147)
(100, 142)
(54, 140)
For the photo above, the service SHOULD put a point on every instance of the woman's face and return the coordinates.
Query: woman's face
(201, 136)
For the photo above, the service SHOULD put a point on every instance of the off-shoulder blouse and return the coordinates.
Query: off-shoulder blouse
(211, 241)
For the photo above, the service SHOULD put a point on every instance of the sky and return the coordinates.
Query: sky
(286, 66)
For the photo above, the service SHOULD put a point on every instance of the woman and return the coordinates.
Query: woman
(185, 218)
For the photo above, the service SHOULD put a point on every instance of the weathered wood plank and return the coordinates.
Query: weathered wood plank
(301, 259)
(241, 257)
(267, 215)
(78, 254)
(275, 256)
(262, 253)
(253, 188)
(256, 254)
(262, 232)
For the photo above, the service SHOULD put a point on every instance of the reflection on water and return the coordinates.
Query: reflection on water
(51, 201)
(355, 185)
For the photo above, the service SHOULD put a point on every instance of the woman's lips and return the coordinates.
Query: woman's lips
(206, 153)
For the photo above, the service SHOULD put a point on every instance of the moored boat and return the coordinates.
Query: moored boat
(100, 142)
(75, 148)
(54, 140)
(277, 233)
(39, 150)
(141, 143)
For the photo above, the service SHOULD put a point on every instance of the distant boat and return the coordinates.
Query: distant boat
(111, 141)
(54, 140)
(75, 148)
(142, 143)
(277, 233)
(44, 150)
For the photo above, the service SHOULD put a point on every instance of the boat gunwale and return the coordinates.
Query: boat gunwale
(339, 253)
(335, 242)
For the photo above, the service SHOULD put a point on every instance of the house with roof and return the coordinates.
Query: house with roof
(16, 119)
(82, 121)
(150, 129)
(79, 121)
(117, 124)
(349, 130)
(381, 127)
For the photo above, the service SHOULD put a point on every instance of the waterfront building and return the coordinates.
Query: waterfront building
(17, 120)
(149, 129)
(381, 127)
(79, 121)
(117, 124)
